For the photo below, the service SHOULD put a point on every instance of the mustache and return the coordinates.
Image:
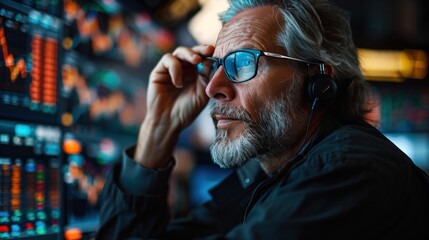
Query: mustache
(230, 112)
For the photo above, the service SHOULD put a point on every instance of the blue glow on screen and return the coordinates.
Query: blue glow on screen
(415, 145)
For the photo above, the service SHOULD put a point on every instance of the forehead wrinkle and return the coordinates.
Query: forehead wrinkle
(253, 31)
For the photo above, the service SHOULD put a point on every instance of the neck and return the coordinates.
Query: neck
(271, 163)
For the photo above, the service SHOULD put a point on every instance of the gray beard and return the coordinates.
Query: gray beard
(265, 137)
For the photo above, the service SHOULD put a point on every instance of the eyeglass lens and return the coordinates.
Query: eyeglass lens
(239, 66)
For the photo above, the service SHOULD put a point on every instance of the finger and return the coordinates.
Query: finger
(188, 58)
(187, 54)
(171, 66)
(204, 50)
(193, 55)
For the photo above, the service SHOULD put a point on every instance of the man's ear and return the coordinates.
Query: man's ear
(329, 70)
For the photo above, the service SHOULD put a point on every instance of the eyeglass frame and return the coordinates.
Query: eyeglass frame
(257, 54)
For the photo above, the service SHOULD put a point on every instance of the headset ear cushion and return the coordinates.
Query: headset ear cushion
(322, 87)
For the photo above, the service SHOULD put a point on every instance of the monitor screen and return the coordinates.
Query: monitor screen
(29, 59)
(30, 197)
(30, 136)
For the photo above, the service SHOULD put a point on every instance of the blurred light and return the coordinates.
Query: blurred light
(110, 6)
(67, 119)
(50, 134)
(88, 25)
(52, 149)
(71, 9)
(71, 146)
(73, 234)
(107, 78)
(108, 151)
(76, 160)
(23, 130)
(142, 22)
(205, 25)
(414, 145)
(101, 43)
(34, 16)
(173, 12)
(68, 43)
(393, 65)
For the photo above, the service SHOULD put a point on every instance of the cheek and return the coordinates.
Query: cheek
(247, 100)
(256, 97)
(259, 93)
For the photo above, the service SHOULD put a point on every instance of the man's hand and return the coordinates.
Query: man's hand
(176, 95)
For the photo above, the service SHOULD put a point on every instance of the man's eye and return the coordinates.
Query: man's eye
(247, 62)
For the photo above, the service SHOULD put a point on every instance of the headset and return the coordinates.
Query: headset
(321, 88)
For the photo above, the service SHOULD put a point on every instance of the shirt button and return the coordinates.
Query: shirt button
(247, 180)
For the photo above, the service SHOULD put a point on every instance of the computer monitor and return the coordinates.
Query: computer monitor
(30, 189)
(30, 134)
(29, 62)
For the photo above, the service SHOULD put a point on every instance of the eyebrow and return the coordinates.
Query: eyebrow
(247, 45)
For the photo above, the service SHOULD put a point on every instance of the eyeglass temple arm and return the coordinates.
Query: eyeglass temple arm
(322, 68)
(321, 64)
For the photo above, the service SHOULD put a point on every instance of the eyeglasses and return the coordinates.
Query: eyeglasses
(240, 65)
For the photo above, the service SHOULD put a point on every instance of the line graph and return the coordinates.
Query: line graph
(16, 69)
(29, 57)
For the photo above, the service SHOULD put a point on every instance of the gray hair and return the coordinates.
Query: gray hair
(316, 30)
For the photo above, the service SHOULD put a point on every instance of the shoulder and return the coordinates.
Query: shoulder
(358, 148)
(356, 142)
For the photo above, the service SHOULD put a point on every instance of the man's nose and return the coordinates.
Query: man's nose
(219, 87)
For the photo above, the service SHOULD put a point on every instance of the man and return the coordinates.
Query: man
(289, 109)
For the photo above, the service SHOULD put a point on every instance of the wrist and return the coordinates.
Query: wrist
(155, 143)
